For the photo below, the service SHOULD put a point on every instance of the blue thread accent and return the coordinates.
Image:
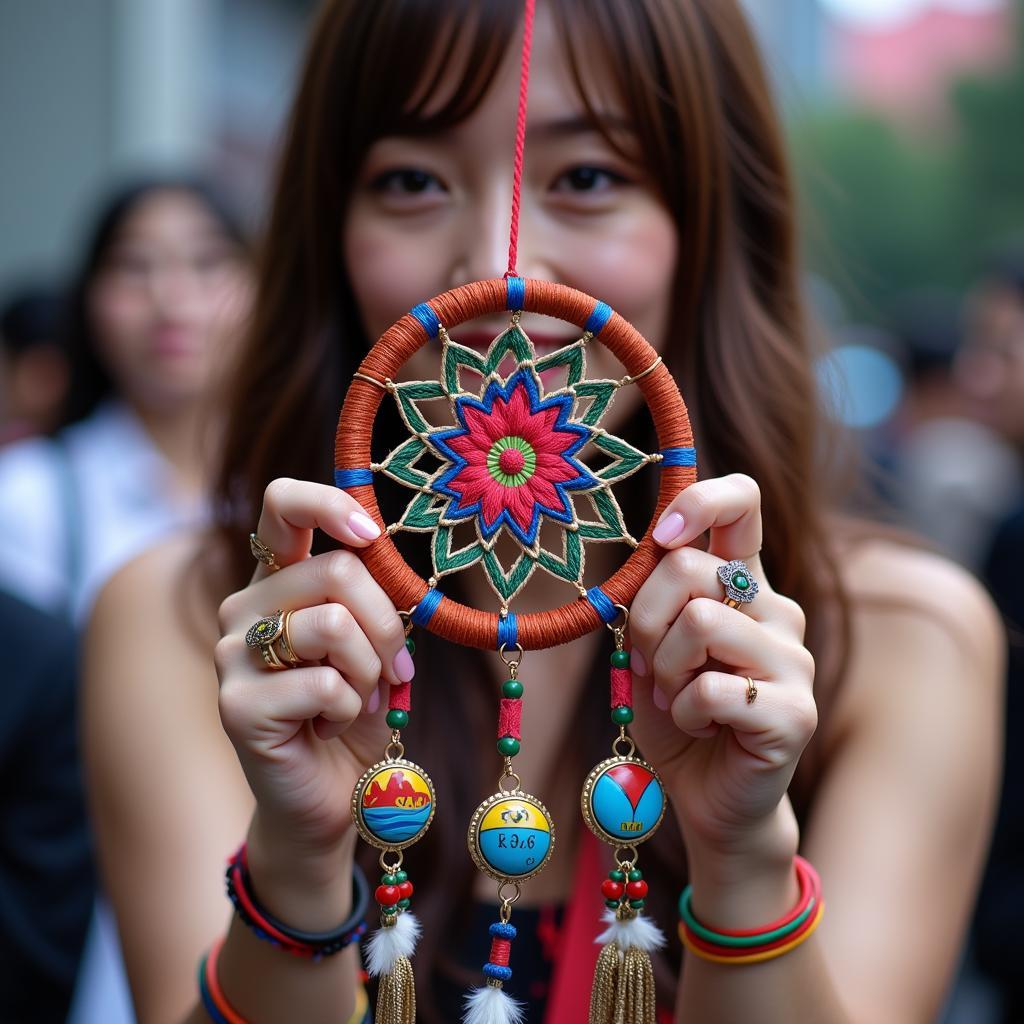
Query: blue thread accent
(603, 604)
(498, 972)
(501, 930)
(508, 631)
(428, 318)
(352, 477)
(601, 315)
(679, 456)
(204, 993)
(424, 611)
(516, 292)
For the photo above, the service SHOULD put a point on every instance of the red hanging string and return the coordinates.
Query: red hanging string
(517, 174)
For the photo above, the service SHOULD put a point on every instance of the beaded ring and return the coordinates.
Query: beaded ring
(462, 491)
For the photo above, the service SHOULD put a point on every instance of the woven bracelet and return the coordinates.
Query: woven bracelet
(264, 925)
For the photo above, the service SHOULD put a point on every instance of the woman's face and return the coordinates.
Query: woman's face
(169, 301)
(432, 213)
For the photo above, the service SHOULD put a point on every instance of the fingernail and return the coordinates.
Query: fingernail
(659, 698)
(636, 660)
(404, 668)
(373, 703)
(669, 528)
(363, 526)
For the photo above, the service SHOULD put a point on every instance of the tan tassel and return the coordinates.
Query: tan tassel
(623, 991)
(396, 996)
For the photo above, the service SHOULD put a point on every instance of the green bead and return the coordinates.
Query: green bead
(388, 911)
(400, 877)
(617, 876)
(740, 581)
(405, 904)
(397, 719)
(622, 715)
(635, 875)
(611, 904)
(389, 879)
(512, 689)
(620, 659)
(410, 645)
(637, 904)
(508, 746)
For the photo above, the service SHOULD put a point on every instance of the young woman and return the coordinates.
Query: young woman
(655, 180)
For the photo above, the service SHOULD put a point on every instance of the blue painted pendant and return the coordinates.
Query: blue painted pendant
(511, 836)
(393, 804)
(623, 801)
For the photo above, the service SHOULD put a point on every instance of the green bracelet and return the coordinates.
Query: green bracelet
(738, 941)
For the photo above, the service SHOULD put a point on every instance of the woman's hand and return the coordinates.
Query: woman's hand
(726, 762)
(304, 735)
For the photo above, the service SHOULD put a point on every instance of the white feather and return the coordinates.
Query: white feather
(386, 945)
(639, 932)
(491, 1005)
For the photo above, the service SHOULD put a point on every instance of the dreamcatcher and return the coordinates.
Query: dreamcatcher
(514, 458)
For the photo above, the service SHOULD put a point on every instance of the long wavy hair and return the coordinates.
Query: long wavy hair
(694, 87)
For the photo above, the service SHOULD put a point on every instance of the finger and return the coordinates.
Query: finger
(782, 719)
(335, 577)
(293, 509)
(687, 573)
(730, 507)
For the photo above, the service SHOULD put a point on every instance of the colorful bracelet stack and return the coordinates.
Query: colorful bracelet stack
(314, 945)
(220, 1010)
(755, 945)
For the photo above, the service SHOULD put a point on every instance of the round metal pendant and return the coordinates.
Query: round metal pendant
(511, 836)
(393, 804)
(623, 801)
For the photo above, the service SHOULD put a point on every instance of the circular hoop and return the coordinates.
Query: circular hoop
(442, 615)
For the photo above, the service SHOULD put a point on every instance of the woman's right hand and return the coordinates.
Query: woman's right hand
(305, 735)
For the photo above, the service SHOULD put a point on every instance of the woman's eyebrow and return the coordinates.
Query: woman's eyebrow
(580, 124)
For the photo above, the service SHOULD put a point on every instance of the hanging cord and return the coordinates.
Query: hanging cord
(517, 173)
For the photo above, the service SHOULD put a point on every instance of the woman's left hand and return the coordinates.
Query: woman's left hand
(726, 762)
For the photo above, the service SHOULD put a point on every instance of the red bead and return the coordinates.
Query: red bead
(387, 895)
(636, 890)
(511, 461)
(405, 888)
(611, 890)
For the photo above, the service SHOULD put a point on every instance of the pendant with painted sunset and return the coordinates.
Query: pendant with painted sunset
(393, 804)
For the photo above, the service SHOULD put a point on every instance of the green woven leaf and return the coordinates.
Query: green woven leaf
(612, 525)
(512, 341)
(571, 357)
(455, 357)
(446, 560)
(602, 392)
(400, 463)
(416, 391)
(569, 569)
(627, 458)
(422, 513)
(507, 585)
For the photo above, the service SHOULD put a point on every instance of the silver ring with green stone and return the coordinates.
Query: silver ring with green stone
(740, 585)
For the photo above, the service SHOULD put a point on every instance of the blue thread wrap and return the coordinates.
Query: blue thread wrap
(424, 611)
(603, 604)
(352, 477)
(498, 972)
(516, 292)
(428, 318)
(679, 456)
(601, 315)
(502, 930)
(508, 631)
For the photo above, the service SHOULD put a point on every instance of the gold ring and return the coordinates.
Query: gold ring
(262, 553)
(751, 691)
(263, 633)
(285, 641)
(740, 585)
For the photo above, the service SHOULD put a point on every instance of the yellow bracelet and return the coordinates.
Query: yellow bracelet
(754, 958)
(362, 1004)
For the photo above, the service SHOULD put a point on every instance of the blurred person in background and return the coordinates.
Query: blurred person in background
(160, 298)
(33, 363)
(992, 368)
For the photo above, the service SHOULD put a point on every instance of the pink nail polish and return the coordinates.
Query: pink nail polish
(638, 663)
(373, 702)
(659, 698)
(404, 667)
(363, 526)
(669, 528)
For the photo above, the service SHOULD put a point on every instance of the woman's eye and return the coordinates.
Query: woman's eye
(406, 181)
(588, 179)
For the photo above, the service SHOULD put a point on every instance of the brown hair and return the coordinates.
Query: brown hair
(692, 82)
